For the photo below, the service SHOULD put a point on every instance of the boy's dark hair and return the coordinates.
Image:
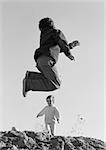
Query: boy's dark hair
(50, 96)
(46, 23)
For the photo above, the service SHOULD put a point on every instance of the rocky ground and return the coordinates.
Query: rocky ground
(29, 140)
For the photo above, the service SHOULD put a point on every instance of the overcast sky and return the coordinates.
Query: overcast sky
(81, 93)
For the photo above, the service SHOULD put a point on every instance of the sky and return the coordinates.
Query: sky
(80, 100)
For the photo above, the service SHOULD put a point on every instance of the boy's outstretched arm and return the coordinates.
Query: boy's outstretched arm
(71, 46)
(41, 113)
(66, 49)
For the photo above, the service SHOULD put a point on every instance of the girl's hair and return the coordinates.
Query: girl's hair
(51, 97)
(46, 23)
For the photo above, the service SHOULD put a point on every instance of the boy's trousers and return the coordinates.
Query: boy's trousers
(51, 125)
(45, 80)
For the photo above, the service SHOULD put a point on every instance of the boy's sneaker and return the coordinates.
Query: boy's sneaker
(27, 74)
(24, 87)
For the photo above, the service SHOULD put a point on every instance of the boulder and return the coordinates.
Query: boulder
(29, 140)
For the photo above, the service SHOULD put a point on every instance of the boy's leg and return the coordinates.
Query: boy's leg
(38, 82)
(50, 73)
(52, 128)
(46, 127)
(49, 70)
(47, 80)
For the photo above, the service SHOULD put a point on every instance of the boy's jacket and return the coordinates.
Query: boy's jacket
(49, 39)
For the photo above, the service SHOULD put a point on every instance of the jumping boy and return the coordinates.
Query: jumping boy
(51, 113)
(52, 43)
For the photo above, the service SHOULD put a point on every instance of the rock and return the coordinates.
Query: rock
(56, 144)
(29, 140)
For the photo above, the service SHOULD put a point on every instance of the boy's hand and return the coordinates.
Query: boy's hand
(71, 57)
(58, 121)
(37, 116)
(74, 43)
